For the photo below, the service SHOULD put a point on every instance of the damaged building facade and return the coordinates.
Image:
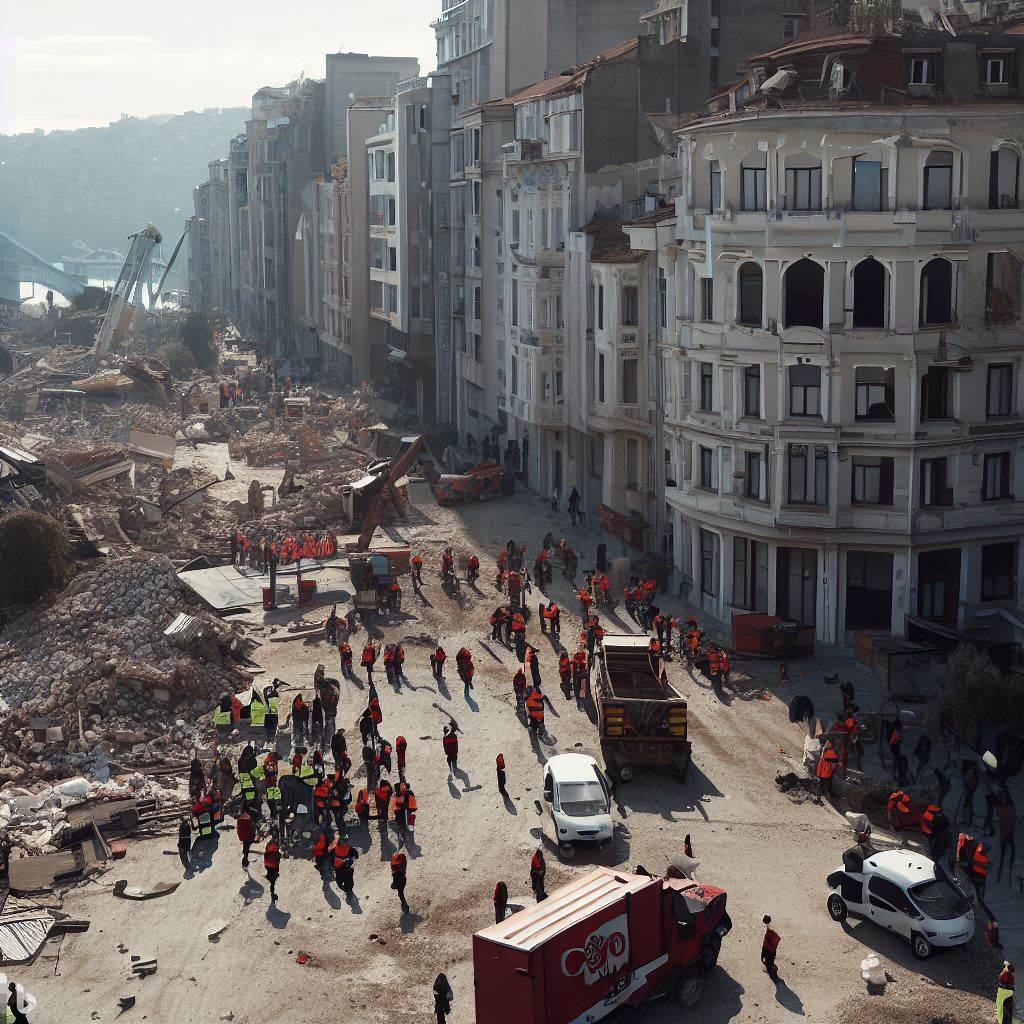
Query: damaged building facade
(843, 377)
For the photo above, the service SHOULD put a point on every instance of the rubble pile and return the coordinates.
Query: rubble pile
(94, 670)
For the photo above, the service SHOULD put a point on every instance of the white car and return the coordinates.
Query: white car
(908, 894)
(579, 797)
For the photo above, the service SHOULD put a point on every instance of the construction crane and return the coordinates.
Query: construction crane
(119, 323)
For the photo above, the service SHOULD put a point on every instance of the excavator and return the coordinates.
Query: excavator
(121, 320)
(371, 495)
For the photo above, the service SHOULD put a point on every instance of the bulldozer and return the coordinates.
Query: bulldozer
(481, 482)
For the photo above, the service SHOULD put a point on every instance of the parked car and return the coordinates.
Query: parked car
(579, 797)
(906, 893)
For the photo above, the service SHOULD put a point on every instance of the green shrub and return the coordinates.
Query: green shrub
(178, 358)
(34, 556)
(970, 684)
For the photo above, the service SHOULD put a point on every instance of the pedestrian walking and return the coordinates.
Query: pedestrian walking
(688, 846)
(399, 865)
(300, 721)
(272, 865)
(443, 997)
(437, 660)
(246, 834)
(450, 743)
(500, 898)
(538, 869)
(345, 856)
(1007, 830)
(1004, 994)
(185, 843)
(769, 947)
(499, 763)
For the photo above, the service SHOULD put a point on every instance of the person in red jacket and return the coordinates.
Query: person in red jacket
(399, 864)
(272, 865)
(769, 946)
(246, 835)
(500, 898)
(450, 742)
(437, 660)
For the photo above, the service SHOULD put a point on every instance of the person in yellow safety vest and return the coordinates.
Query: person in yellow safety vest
(257, 712)
(222, 717)
(249, 790)
(302, 771)
(204, 819)
(270, 719)
(1004, 994)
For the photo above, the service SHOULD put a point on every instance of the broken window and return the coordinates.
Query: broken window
(938, 180)
(751, 287)
(1003, 175)
(870, 294)
(1002, 289)
(936, 305)
(805, 294)
(935, 394)
(875, 393)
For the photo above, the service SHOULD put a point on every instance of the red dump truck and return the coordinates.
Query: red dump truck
(607, 940)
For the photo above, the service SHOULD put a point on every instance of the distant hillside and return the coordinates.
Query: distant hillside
(102, 184)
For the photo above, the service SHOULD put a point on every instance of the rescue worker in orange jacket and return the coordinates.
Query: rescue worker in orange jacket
(580, 673)
(450, 743)
(535, 710)
(565, 674)
(826, 768)
(898, 807)
(345, 655)
(538, 869)
(272, 865)
(369, 659)
(499, 766)
(437, 660)
(321, 794)
(979, 870)
(714, 661)
(417, 571)
(321, 849)
(362, 808)
(399, 864)
(345, 856)
(519, 688)
(382, 800)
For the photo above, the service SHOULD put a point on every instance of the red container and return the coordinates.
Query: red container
(307, 588)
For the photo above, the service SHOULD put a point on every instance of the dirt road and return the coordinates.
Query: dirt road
(369, 963)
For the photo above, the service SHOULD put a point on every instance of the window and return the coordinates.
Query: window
(804, 390)
(391, 166)
(478, 348)
(1003, 175)
(996, 477)
(630, 381)
(600, 377)
(545, 241)
(867, 184)
(662, 298)
(713, 70)
(392, 259)
(632, 464)
(529, 229)
(752, 390)
(936, 293)
(868, 590)
(515, 375)
(477, 304)
(808, 474)
(707, 387)
(515, 302)
(709, 559)
(707, 299)
(888, 895)
(751, 287)
(716, 186)
(804, 294)
(875, 393)
(515, 227)
(1002, 288)
(935, 397)
(753, 183)
(630, 306)
(999, 571)
(995, 70)
(922, 70)
(803, 184)
(934, 489)
(938, 180)
(870, 294)
(414, 301)
(600, 307)
(999, 390)
(477, 198)
(749, 574)
(752, 475)
(790, 26)
(557, 229)
(872, 481)
(707, 469)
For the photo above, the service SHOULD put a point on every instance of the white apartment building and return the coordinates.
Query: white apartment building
(842, 375)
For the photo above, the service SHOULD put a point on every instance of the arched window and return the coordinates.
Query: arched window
(805, 294)
(803, 182)
(938, 180)
(753, 182)
(1004, 173)
(870, 294)
(751, 289)
(936, 292)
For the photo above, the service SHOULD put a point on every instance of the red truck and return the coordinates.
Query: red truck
(607, 940)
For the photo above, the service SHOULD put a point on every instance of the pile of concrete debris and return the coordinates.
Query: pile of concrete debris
(96, 671)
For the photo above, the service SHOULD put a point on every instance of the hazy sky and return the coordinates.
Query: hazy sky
(73, 63)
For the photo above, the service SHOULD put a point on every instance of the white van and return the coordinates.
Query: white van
(579, 798)
(908, 894)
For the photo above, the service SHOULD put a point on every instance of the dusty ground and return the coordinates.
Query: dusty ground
(771, 853)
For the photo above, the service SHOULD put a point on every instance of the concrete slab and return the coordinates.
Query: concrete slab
(227, 587)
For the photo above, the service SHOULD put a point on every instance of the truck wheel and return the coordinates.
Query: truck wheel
(921, 946)
(566, 851)
(690, 989)
(709, 954)
(836, 908)
(625, 773)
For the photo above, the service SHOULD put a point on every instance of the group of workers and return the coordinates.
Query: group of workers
(265, 552)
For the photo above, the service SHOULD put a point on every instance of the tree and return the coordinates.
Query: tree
(972, 685)
(197, 335)
(92, 298)
(34, 555)
(177, 358)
